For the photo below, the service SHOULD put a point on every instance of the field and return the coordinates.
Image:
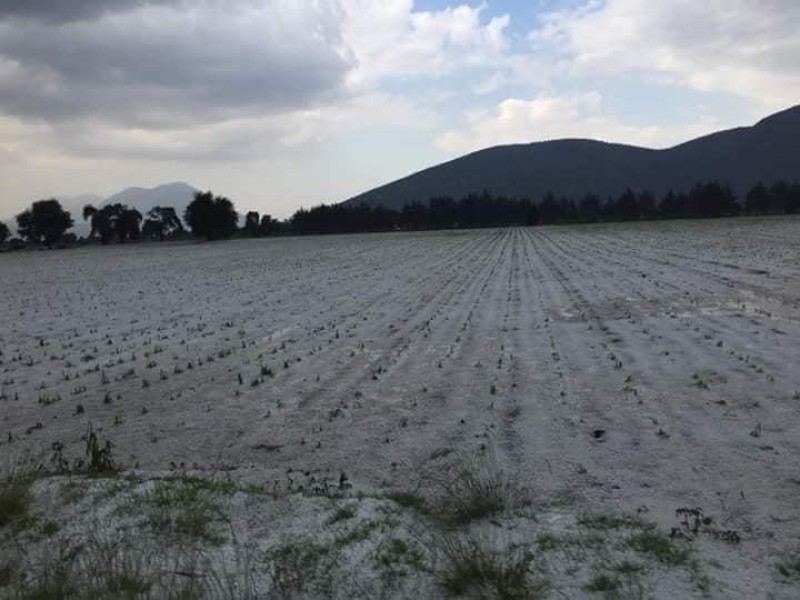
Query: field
(626, 395)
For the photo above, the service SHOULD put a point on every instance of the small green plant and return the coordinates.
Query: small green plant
(98, 456)
(341, 514)
(603, 582)
(547, 542)
(49, 528)
(659, 546)
(301, 568)
(396, 558)
(789, 565)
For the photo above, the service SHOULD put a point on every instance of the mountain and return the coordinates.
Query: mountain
(767, 151)
(75, 204)
(178, 195)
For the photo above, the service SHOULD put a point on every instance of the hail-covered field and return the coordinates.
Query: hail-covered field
(616, 406)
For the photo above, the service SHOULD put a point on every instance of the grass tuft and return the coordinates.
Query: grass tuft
(470, 495)
(468, 569)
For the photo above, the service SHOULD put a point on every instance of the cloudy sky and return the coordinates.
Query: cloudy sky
(283, 103)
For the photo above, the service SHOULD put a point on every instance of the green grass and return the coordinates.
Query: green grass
(603, 582)
(410, 500)
(608, 522)
(341, 514)
(185, 509)
(469, 496)
(302, 568)
(397, 551)
(789, 565)
(547, 542)
(15, 500)
(659, 546)
(356, 535)
(396, 559)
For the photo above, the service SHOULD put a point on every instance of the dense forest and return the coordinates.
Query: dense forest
(215, 217)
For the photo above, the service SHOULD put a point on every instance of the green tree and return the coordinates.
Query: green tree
(113, 220)
(251, 224)
(128, 223)
(757, 200)
(164, 221)
(4, 232)
(44, 222)
(211, 217)
(101, 223)
(267, 226)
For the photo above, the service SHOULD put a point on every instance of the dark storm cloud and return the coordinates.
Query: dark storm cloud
(165, 64)
(65, 10)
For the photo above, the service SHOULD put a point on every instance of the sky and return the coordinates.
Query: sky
(279, 104)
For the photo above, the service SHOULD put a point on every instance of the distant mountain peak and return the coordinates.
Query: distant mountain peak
(176, 194)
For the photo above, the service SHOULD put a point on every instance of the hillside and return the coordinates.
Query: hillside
(767, 151)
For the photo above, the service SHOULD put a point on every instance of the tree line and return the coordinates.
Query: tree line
(215, 217)
(703, 200)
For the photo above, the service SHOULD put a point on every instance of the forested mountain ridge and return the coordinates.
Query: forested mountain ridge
(768, 151)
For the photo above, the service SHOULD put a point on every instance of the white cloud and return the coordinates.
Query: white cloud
(748, 48)
(390, 39)
(543, 118)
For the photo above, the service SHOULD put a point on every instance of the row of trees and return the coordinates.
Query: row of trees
(46, 221)
(214, 217)
(704, 200)
(441, 212)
